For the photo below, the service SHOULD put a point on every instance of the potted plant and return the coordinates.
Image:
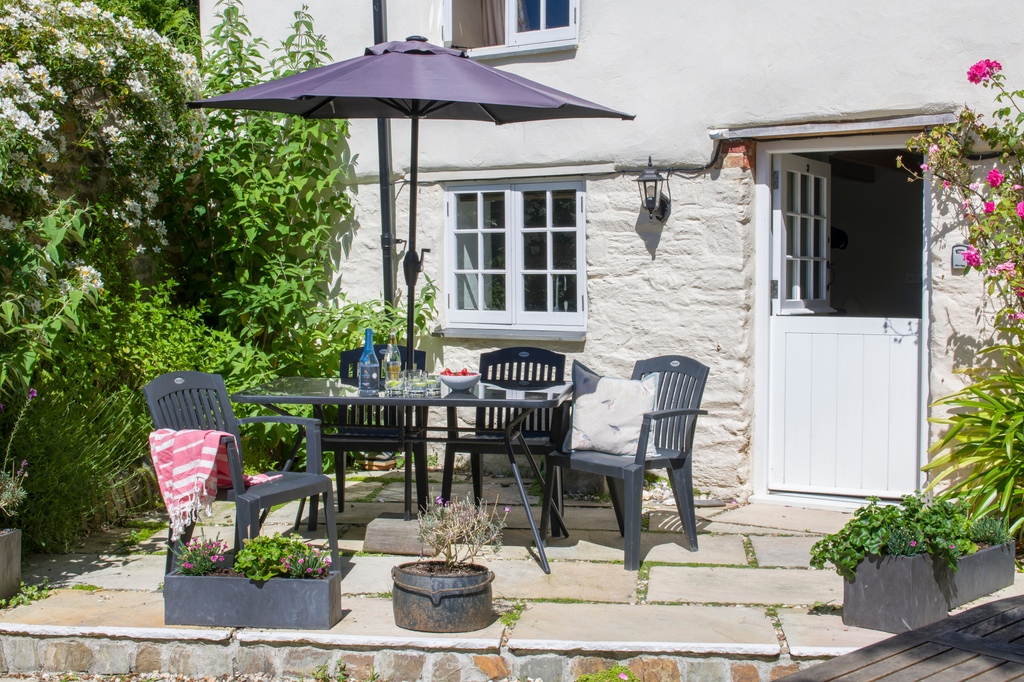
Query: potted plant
(12, 494)
(907, 565)
(450, 594)
(273, 582)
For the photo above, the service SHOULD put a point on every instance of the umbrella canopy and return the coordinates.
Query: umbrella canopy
(411, 79)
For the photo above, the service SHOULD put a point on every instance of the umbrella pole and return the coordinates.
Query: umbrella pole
(412, 264)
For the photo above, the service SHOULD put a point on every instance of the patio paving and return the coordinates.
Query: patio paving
(716, 601)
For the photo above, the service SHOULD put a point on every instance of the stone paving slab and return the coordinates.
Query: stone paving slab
(794, 552)
(375, 618)
(646, 628)
(135, 572)
(786, 518)
(703, 585)
(740, 529)
(576, 581)
(368, 574)
(92, 608)
(609, 546)
(815, 635)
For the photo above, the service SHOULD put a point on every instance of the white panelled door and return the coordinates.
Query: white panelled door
(845, 391)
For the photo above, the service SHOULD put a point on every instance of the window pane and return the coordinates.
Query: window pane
(494, 250)
(535, 293)
(806, 237)
(819, 196)
(529, 15)
(564, 293)
(558, 13)
(465, 212)
(535, 251)
(563, 208)
(563, 250)
(805, 193)
(819, 238)
(792, 236)
(535, 209)
(807, 279)
(465, 292)
(494, 211)
(793, 279)
(466, 251)
(819, 279)
(494, 292)
(791, 188)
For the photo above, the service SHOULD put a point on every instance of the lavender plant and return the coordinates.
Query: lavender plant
(459, 529)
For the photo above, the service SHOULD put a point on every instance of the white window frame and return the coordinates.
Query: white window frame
(513, 317)
(526, 42)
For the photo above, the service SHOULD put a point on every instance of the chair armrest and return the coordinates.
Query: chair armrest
(665, 414)
(309, 428)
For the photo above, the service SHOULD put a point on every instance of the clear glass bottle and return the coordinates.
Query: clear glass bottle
(392, 370)
(369, 368)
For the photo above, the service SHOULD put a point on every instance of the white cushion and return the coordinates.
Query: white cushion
(608, 411)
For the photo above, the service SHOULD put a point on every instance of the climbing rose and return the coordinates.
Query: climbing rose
(990, 206)
(995, 178)
(1020, 209)
(972, 257)
(983, 70)
(1008, 266)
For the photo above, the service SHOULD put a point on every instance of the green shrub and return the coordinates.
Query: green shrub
(617, 673)
(989, 530)
(275, 556)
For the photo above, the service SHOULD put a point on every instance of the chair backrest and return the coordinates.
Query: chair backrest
(681, 383)
(520, 366)
(350, 361)
(194, 400)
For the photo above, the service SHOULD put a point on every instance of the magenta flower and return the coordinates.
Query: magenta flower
(995, 178)
(945, 184)
(913, 543)
(983, 70)
(972, 257)
(32, 393)
(1016, 316)
(934, 149)
(1008, 267)
(623, 676)
(1020, 210)
(925, 167)
(990, 206)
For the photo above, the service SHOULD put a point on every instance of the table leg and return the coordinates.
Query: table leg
(510, 429)
(404, 417)
(558, 528)
(420, 448)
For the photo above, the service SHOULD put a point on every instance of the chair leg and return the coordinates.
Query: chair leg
(448, 475)
(615, 490)
(559, 501)
(332, 529)
(546, 500)
(633, 487)
(314, 508)
(476, 467)
(681, 478)
(247, 515)
(340, 462)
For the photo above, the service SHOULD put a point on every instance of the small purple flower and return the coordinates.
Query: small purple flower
(187, 565)
(508, 509)
(1, 407)
(951, 547)
(32, 393)
(439, 500)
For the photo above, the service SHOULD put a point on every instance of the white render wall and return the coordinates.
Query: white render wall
(683, 68)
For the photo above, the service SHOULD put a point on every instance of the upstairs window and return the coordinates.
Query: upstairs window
(515, 256)
(501, 25)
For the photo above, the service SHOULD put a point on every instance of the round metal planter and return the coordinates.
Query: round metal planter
(442, 603)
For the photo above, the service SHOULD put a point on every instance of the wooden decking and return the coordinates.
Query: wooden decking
(983, 644)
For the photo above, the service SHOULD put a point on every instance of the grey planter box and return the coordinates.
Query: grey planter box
(898, 593)
(10, 563)
(239, 602)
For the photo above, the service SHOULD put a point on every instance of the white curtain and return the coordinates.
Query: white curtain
(493, 12)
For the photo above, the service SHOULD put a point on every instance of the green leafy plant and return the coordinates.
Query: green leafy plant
(273, 556)
(989, 531)
(616, 673)
(459, 529)
(941, 529)
(982, 452)
(201, 556)
(26, 595)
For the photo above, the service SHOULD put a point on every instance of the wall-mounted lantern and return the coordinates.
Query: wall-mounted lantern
(653, 200)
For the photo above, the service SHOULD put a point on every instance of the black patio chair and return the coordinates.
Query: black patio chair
(507, 367)
(363, 428)
(671, 424)
(196, 400)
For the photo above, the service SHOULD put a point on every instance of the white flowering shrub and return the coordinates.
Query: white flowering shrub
(93, 129)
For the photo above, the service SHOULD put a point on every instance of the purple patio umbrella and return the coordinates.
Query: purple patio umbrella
(411, 79)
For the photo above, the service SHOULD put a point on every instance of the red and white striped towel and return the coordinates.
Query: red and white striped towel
(190, 465)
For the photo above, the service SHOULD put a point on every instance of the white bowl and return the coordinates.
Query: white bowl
(458, 382)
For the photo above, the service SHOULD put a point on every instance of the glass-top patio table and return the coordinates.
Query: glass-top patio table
(523, 397)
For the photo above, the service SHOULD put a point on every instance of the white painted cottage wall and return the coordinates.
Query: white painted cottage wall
(682, 68)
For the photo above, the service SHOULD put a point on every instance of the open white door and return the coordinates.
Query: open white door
(845, 390)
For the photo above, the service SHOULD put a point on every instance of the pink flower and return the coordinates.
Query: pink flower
(508, 509)
(1008, 266)
(913, 543)
(945, 184)
(623, 676)
(983, 70)
(995, 178)
(1020, 210)
(925, 166)
(1017, 187)
(934, 149)
(972, 257)
(1020, 292)
(32, 393)
(1016, 316)
(990, 206)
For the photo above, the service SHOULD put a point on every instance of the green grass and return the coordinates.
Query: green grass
(748, 547)
(511, 616)
(86, 588)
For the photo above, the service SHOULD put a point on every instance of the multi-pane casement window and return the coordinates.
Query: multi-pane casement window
(515, 256)
(803, 200)
(502, 25)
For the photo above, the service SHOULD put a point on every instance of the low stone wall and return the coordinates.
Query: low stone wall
(281, 655)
